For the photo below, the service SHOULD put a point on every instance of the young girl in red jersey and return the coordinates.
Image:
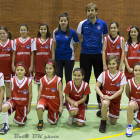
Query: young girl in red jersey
(113, 44)
(113, 82)
(23, 50)
(132, 51)
(1, 89)
(21, 96)
(50, 95)
(76, 92)
(6, 47)
(44, 50)
(133, 93)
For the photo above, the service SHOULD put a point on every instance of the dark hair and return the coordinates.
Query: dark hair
(129, 41)
(117, 25)
(23, 24)
(68, 28)
(55, 66)
(111, 57)
(79, 69)
(6, 30)
(48, 35)
(91, 5)
(138, 63)
(25, 66)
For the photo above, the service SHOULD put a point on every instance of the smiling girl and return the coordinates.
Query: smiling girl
(76, 92)
(113, 82)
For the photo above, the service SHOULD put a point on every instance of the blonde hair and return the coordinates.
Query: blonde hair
(111, 57)
(91, 5)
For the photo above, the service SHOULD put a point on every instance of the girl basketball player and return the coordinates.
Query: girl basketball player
(113, 44)
(44, 50)
(50, 94)
(1, 89)
(132, 51)
(113, 82)
(21, 96)
(133, 93)
(76, 92)
(23, 50)
(6, 46)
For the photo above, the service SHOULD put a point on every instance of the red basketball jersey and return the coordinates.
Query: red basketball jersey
(134, 91)
(43, 53)
(113, 47)
(50, 89)
(23, 51)
(20, 91)
(112, 84)
(76, 93)
(6, 57)
(133, 56)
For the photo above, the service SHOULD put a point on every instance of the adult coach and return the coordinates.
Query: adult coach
(90, 33)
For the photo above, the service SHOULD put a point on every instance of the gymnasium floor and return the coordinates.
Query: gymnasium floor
(62, 131)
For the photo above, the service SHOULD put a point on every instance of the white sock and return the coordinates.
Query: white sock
(5, 118)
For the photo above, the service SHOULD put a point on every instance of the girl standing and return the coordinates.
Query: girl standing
(113, 82)
(6, 47)
(21, 96)
(44, 50)
(23, 50)
(76, 92)
(113, 44)
(50, 94)
(133, 93)
(66, 43)
(132, 51)
(1, 89)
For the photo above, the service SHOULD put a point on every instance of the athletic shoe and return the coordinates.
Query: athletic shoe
(134, 115)
(70, 120)
(98, 113)
(40, 126)
(102, 128)
(129, 129)
(4, 129)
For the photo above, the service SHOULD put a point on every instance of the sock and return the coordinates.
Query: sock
(5, 118)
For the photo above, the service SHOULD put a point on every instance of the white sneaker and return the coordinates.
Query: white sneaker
(70, 120)
(129, 129)
(135, 116)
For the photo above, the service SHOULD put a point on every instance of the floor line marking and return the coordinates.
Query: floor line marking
(116, 135)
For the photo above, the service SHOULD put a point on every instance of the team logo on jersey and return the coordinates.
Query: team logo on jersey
(118, 47)
(28, 47)
(8, 49)
(118, 84)
(25, 91)
(53, 89)
(98, 27)
(46, 46)
(138, 50)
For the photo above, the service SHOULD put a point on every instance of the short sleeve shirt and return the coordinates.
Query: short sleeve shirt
(92, 35)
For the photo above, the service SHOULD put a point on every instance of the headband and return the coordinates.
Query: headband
(128, 28)
(22, 66)
(49, 62)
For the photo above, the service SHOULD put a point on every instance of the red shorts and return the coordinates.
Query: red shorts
(29, 75)
(80, 117)
(20, 114)
(114, 109)
(7, 77)
(38, 76)
(52, 112)
(138, 109)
